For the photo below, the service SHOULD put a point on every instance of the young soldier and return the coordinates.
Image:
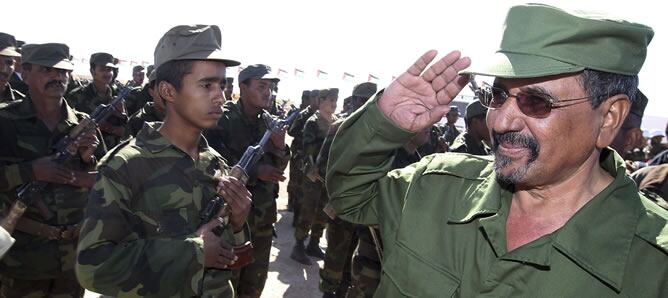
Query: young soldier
(143, 234)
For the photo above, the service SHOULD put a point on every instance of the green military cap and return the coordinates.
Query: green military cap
(138, 68)
(322, 93)
(366, 89)
(150, 73)
(104, 59)
(541, 40)
(306, 94)
(332, 92)
(257, 71)
(191, 42)
(634, 118)
(56, 55)
(454, 110)
(8, 45)
(152, 76)
(149, 69)
(475, 109)
(315, 93)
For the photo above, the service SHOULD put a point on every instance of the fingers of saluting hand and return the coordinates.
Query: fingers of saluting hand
(446, 70)
(418, 67)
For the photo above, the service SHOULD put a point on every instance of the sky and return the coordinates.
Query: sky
(362, 38)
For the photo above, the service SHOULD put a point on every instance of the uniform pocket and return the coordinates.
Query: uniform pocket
(416, 278)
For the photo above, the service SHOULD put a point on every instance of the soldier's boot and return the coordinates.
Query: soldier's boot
(313, 248)
(298, 254)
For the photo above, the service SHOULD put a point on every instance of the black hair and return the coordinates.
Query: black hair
(173, 72)
(601, 85)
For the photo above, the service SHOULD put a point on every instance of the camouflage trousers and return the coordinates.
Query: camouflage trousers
(63, 286)
(335, 276)
(249, 281)
(295, 184)
(311, 217)
(366, 268)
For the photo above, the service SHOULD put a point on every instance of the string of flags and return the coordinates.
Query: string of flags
(318, 73)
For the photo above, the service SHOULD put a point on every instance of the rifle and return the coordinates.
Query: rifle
(29, 193)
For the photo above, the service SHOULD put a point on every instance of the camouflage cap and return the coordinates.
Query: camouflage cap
(541, 40)
(256, 71)
(8, 45)
(475, 109)
(366, 89)
(104, 59)
(138, 68)
(191, 42)
(56, 55)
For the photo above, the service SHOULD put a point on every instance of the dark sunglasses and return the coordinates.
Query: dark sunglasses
(532, 104)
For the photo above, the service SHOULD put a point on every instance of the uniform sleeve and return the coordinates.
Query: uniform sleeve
(310, 139)
(114, 258)
(361, 187)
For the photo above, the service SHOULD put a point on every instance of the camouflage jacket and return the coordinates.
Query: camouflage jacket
(26, 138)
(233, 134)
(136, 99)
(464, 143)
(315, 132)
(10, 94)
(146, 114)
(138, 237)
(85, 99)
(297, 128)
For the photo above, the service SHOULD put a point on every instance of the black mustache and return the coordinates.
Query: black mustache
(516, 138)
(55, 83)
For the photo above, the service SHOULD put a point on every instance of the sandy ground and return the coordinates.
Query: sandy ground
(287, 278)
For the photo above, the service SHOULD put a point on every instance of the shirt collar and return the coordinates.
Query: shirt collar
(26, 110)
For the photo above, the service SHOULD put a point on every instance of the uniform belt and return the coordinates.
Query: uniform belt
(67, 232)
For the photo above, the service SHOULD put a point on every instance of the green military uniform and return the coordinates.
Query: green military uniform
(86, 100)
(465, 143)
(146, 114)
(8, 48)
(39, 263)
(231, 137)
(137, 99)
(295, 191)
(139, 234)
(311, 216)
(614, 245)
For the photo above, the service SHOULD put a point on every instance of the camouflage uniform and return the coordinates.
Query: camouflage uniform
(10, 94)
(86, 100)
(295, 191)
(335, 275)
(146, 114)
(233, 134)
(311, 216)
(137, 99)
(39, 265)
(366, 268)
(450, 133)
(464, 143)
(138, 237)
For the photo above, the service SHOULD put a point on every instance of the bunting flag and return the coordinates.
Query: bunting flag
(122, 62)
(132, 62)
(299, 73)
(322, 74)
(348, 76)
(281, 72)
(143, 63)
(372, 78)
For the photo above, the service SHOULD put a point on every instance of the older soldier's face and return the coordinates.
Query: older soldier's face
(534, 151)
(6, 69)
(44, 81)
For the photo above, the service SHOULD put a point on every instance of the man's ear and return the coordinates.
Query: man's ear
(167, 91)
(614, 109)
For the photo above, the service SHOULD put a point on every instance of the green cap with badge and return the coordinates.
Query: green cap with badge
(475, 109)
(56, 55)
(541, 40)
(104, 59)
(138, 68)
(8, 45)
(257, 71)
(191, 42)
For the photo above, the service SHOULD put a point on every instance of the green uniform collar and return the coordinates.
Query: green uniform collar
(150, 138)
(598, 237)
(25, 110)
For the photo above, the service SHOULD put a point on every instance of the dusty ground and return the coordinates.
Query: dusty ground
(287, 278)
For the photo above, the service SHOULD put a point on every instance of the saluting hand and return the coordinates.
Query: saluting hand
(418, 98)
(238, 199)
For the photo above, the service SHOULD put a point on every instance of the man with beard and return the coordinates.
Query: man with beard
(100, 91)
(41, 262)
(552, 213)
(8, 53)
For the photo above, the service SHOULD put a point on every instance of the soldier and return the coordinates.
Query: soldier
(8, 54)
(143, 234)
(41, 262)
(17, 79)
(341, 235)
(311, 216)
(552, 213)
(654, 147)
(100, 91)
(295, 147)
(229, 88)
(242, 125)
(151, 112)
(450, 131)
(138, 74)
(475, 139)
(138, 97)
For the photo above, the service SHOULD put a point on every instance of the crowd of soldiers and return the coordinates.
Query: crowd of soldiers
(125, 212)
